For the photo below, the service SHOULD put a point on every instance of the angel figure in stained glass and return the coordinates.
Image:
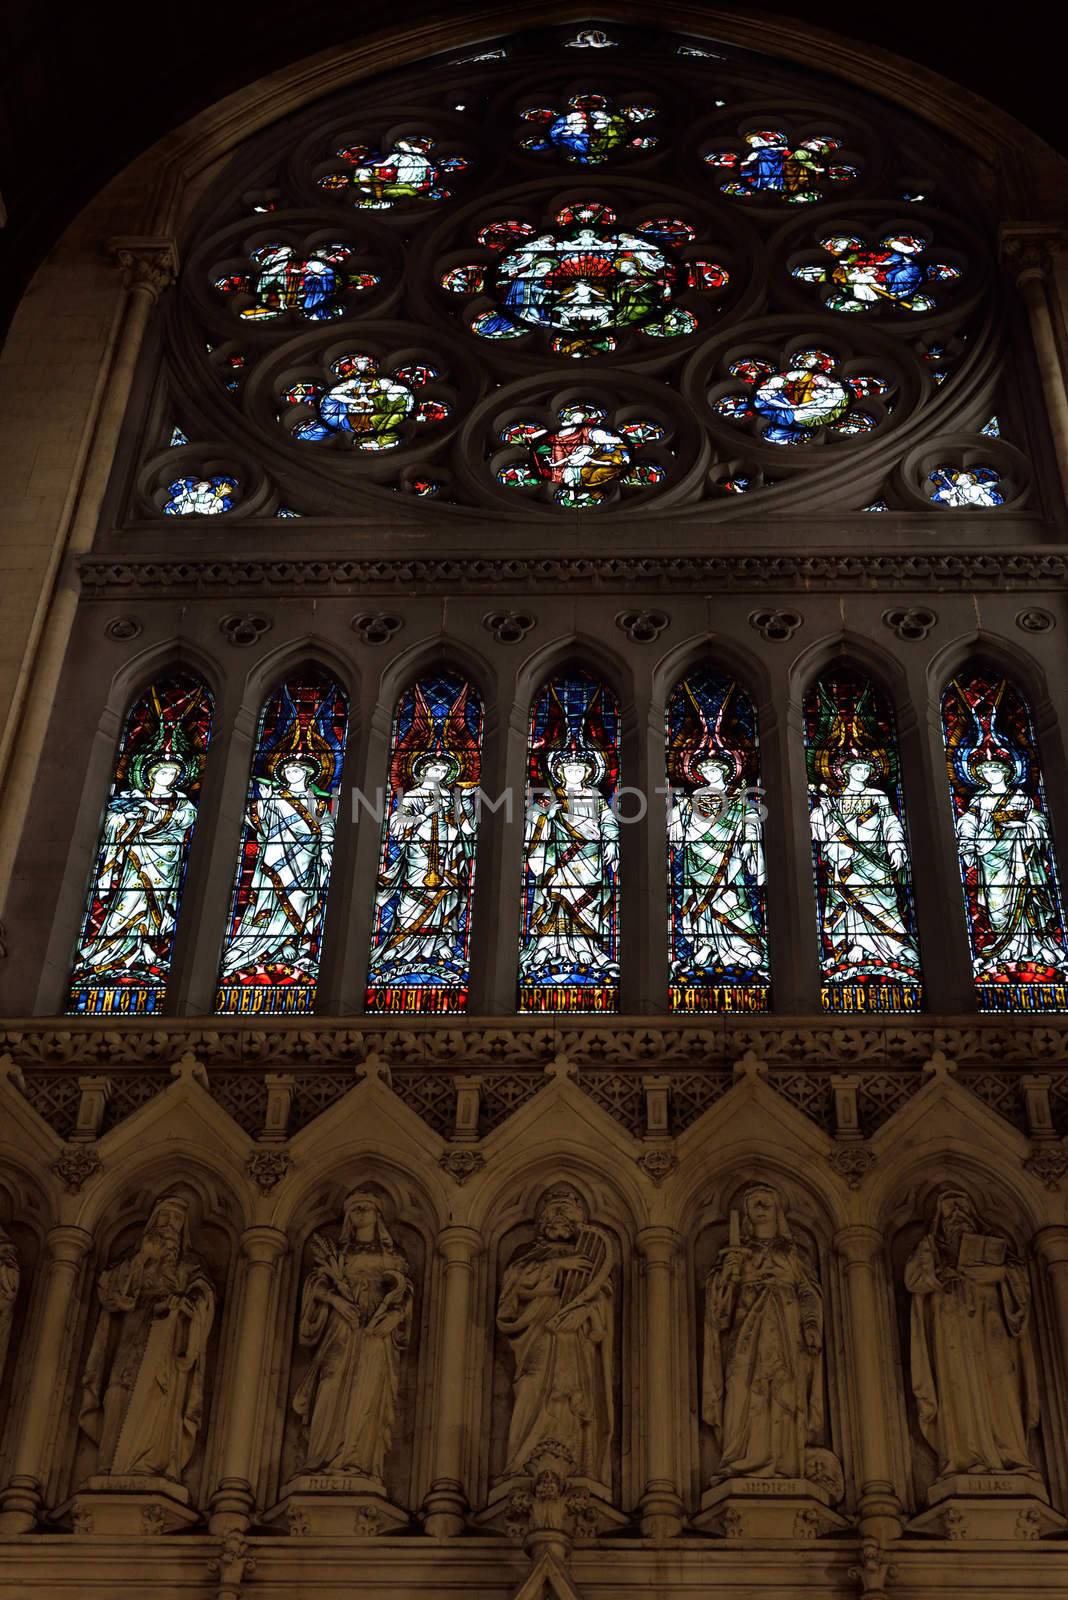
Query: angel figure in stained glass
(572, 857)
(718, 855)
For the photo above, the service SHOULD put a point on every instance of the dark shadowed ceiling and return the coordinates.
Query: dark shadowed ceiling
(85, 87)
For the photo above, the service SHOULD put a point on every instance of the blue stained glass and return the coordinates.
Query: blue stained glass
(569, 945)
(420, 946)
(1011, 885)
(869, 957)
(270, 958)
(124, 952)
(716, 873)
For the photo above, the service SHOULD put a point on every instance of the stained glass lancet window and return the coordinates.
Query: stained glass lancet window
(420, 946)
(123, 958)
(270, 958)
(716, 876)
(1011, 888)
(869, 957)
(569, 946)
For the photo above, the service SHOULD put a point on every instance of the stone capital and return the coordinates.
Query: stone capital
(459, 1245)
(858, 1245)
(1029, 248)
(1052, 1245)
(148, 265)
(263, 1243)
(67, 1243)
(658, 1244)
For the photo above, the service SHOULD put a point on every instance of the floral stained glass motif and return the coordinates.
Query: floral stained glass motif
(1009, 871)
(869, 957)
(368, 409)
(311, 286)
(793, 404)
(587, 282)
(589, 130)
(420, 946)
(200, 497)
(860, 278)
(716, 874)
(777, 168)
(964, 487)
(124, 952)
(569, 944)
(270, 958)
(409, 171)
(584, 459)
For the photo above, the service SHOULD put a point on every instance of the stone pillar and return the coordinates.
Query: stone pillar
(20, 1501)
(661, 1503)
(1052, 1247)
(233, 1501)
(1029, 250)
(880, 1509)
(446, 1503)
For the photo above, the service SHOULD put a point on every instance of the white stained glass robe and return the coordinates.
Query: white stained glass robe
(1004, 838)
(572, 854)
(718, 840)
(429, 879)
(295, 833)
(863, 844)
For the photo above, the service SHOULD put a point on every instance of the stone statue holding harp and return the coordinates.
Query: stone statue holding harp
(555, 1310)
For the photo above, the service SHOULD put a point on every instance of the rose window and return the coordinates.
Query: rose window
(371, 406)
(805, 398)
(858, 277)
(582, 457)
(589, 130)
(316, 286)
(200, 497)
(587, 283)
(974, 488)
(771, 165)
(408, 169)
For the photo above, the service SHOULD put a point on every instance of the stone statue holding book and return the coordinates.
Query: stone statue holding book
(973, 1371)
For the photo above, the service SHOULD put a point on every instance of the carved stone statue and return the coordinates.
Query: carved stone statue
(142, 1390)
(356, 1312)
(555, 1310)
(973, 1372)
(763, 1371)
(9, 1288)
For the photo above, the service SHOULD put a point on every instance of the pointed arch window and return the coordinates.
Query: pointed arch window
(421, 941)
(869, 955)
(569, 943)
(123, 959)
(270, 958)
(716, 874)
(1011, 886)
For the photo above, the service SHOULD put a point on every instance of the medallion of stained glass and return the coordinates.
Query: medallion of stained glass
(378, 180)
(270, 958)
(200, 497)
(869, 957)
(569, 944)
(584, 458)
(368, 409)
(716, 874)
(778, 168)
(420, 946)
(124, 952)
(311, 286)
(793, 404)
(959, 488)
(892, 274)
(1011, 885)
(589, 130)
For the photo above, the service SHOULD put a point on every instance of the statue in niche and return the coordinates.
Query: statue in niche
(555, 1310)
(143, 1386)
(763, 1366)
(9, 1288)
(973, 1372)
(356, 1311)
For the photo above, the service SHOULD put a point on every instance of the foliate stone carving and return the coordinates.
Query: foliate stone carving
(733, 1523)
(555, 1310)
(873, 1571)
(807, 1524)
(1028, 1523)
(74, 1168)
(9, 1288)
(1049, 1163)
(462, 1164)
(658, 1164)
(234, 1562)
(148, 264)
(81, 1520)
(153, 1521)
(356, 1313)
(142, 1388)
(1031, 248)
(955, 1524)
(297, 1523)
(972, 1368)
(552, 1508)
(267, 1168)
(367, 1522)
(852, 1162)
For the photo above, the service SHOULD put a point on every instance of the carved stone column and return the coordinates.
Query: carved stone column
(1029, 250)
(21, 1499)
(880, 1509)
(661, 1504)
(233, 1501)
(1052, 1246)
(446, 1504)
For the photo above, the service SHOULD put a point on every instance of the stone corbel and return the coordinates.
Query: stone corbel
(554, 1512)
(873, 1571)
(234, 1563)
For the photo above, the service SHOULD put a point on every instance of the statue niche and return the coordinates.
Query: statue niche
(142, 1387)
(355, 1319)
(763, 1380)
(972, 1375)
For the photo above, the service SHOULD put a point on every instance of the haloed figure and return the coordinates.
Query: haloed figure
(1004, 847)
(718, 861)
(572, 857)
